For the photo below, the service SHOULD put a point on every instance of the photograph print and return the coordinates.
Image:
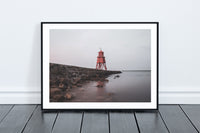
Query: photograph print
(99, 65)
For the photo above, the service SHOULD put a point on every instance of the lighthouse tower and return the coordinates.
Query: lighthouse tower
(101, 62)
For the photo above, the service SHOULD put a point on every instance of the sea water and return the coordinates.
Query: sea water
(129, 86)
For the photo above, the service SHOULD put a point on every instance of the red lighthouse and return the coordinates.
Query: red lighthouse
(101, 62)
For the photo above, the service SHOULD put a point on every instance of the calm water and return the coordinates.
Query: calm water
(132, 86)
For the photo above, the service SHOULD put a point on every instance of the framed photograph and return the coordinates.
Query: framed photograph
(99, 65)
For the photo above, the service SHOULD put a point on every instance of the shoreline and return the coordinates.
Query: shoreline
(64, 78)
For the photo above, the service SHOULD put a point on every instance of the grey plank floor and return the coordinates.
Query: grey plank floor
(169, 118)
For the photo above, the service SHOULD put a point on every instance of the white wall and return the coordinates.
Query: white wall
(20, 41)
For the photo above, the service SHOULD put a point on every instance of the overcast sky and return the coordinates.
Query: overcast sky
(123, 49)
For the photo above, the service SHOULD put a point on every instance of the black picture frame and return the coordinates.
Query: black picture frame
(44, 108)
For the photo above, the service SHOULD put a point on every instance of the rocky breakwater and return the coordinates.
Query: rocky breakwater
(64, 78)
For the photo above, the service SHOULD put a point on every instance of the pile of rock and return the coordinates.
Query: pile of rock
(65, 77)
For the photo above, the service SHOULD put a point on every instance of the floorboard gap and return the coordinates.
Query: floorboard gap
(54, 121)
(109, 121)
(7, 113)
(163, 121)
(136, 122)
(188, 118)
(81, 122)
(29, 118)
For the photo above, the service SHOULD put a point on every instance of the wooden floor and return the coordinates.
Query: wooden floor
(169, 118)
